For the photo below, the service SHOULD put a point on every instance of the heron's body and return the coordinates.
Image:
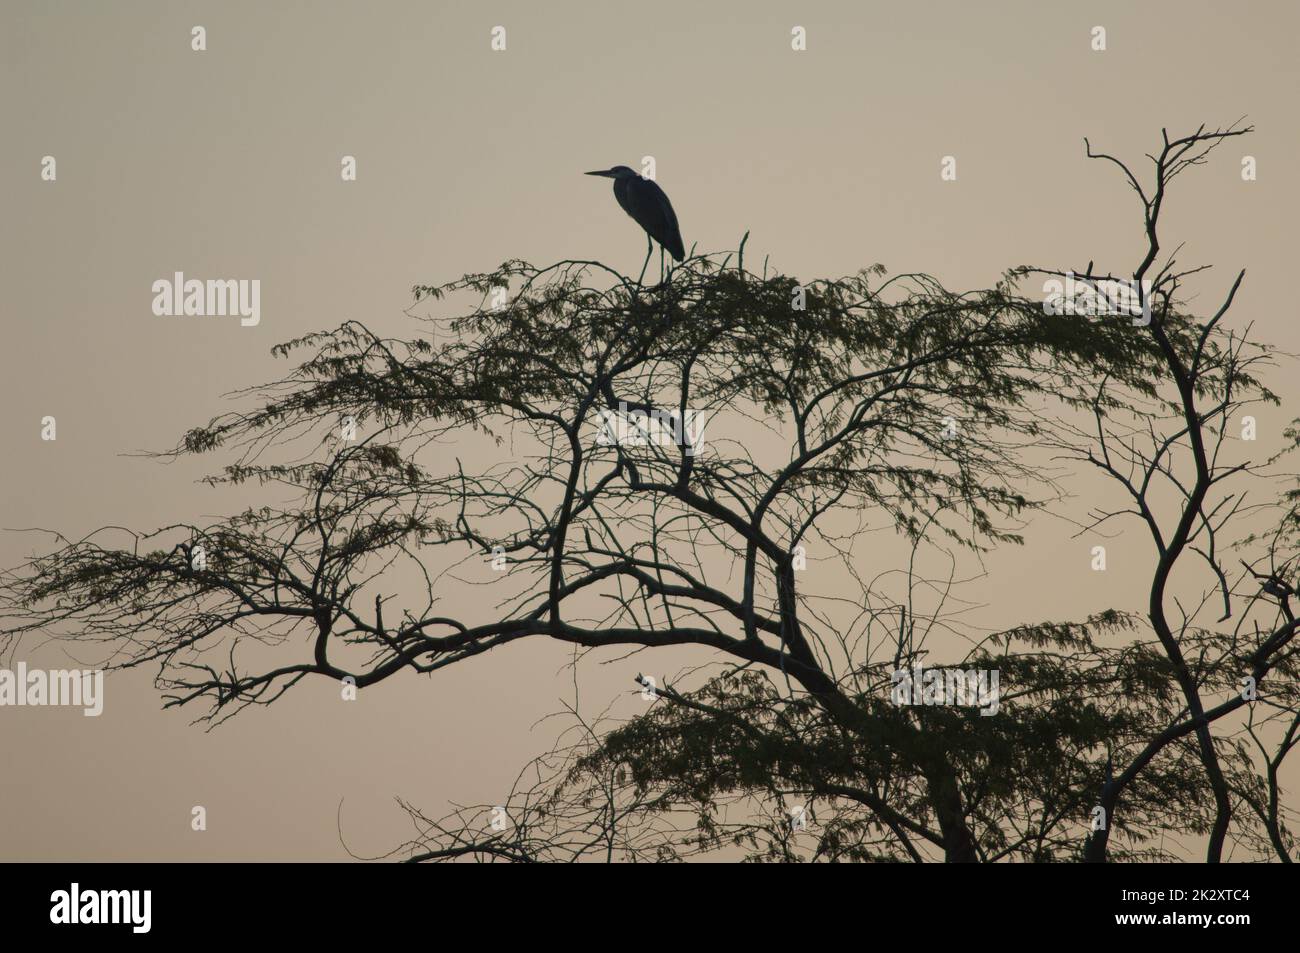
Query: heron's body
(649, 207)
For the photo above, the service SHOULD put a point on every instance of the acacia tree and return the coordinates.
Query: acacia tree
(604, 516)
(1180, 450)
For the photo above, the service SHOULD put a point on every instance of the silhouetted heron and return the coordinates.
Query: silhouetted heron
(649, 207)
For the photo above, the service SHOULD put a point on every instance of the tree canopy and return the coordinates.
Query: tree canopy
(653, 464)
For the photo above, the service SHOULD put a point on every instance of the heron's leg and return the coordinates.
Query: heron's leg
(649, 250)
(661, 264)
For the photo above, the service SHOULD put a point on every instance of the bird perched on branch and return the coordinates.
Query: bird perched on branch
(649, 207)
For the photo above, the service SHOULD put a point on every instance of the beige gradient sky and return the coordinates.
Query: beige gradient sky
(226, 163)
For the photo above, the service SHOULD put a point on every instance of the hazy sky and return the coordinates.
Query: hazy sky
(226, 163)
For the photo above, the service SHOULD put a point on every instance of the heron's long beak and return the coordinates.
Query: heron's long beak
(605, 172)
